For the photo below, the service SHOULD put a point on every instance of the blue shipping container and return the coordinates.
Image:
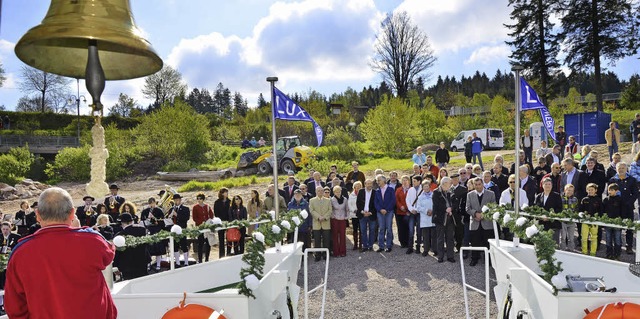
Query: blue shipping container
(588, 128)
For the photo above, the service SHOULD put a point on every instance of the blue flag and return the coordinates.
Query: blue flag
(288, 110)
(531, 101)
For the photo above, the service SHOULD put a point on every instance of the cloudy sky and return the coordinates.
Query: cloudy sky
(312, 44)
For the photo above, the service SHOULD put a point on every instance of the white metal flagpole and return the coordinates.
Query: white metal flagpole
(272, 80)
(516, 201)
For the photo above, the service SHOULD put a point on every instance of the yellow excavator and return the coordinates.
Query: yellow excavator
(291, 154)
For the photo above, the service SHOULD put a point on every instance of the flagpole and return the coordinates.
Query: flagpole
(276, 195)
(516, 201)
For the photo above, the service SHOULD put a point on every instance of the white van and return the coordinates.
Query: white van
(491, 137)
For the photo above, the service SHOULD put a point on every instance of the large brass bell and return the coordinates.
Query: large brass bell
(59, 44)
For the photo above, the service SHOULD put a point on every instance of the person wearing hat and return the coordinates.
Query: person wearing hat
(182, 214)
(87, 213)
(113, 202)
(132, 262)
(32, 221)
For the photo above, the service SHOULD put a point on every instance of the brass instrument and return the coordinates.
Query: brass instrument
(165, 201)
(112, 203)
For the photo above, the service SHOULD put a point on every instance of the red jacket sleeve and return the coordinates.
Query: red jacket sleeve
(16, 308)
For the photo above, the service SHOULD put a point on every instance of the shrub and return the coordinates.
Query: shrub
(15, 165)
(71, 164)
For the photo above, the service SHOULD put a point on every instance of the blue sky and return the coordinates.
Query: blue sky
(323, 45)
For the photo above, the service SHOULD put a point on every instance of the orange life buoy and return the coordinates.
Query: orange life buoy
(615, 311)
(193, 311)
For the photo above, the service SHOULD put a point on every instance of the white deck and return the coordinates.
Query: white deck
(519, 267)
(153, 295)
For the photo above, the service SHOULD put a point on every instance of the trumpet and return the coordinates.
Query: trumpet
(112, 203)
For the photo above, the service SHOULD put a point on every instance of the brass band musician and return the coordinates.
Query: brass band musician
(87, 213)
(113, 202)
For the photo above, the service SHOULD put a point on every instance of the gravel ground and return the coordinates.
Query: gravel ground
(394, 285)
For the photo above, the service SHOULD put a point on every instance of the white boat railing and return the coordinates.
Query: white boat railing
(323, 285)
(466, 286)
(571, 220)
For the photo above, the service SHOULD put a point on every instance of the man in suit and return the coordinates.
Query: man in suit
(481, 229)
(555, 156)
(629, 194)
(573, 176)
(86, 213)
(315, 184)
(182, 214)
(498, 178)
(320, 210)
(366, 212)
(354, 176)
(529, 185)
(385, 203)
(289, 189)
(527, 145)
(9, 239)
(113, 202)
(132, 262)
(459, 200)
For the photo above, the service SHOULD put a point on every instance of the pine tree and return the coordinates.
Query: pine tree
(536, 46)
(593, 30)
(261, 101)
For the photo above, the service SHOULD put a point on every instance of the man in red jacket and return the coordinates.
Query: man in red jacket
(57, 272)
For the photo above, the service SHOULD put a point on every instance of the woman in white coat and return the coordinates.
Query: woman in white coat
(427, 227)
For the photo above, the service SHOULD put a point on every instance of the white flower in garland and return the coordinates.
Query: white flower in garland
(485, 208)
(286, 225)
(216, 221)
(521, 221)
(272, 214)
(507, 218)
(304, 214)
(252, 281)
(503, 204)
(496, 216)
(296, 220)
(275, 229)
(258, 236)
(581, 214)
(559, 281)
(176, 229)
(119, 241)
(543, 262)
(525, 205)
(531, 231)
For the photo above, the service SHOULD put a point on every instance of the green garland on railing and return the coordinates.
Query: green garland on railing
(545, 246)
(271, 231)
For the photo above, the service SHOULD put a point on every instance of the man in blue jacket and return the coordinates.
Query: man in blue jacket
(385, 203)
(476, 149)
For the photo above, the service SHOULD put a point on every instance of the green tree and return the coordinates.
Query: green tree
(630, 98)
(15, 165)
(535, 43)
(174, 133)
(402, 52)
(261, 101)
(240, 104)
(391, 126)
(164, 86)
(124, 107)
(593, 30)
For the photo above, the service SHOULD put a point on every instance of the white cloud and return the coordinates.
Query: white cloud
(304, 44)
(489, 54)
(456, 24)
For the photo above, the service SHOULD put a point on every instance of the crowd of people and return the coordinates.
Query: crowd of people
(436, 210)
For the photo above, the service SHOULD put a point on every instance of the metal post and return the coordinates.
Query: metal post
(78, 104)
(517, 68)
(172, 261)
(272, 80)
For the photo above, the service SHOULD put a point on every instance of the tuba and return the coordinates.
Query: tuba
(165, 201)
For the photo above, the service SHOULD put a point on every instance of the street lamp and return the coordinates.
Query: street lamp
(77, 100)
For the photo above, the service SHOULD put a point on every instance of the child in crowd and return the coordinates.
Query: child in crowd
(613, 208)
(569, 201)
(591, 205)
